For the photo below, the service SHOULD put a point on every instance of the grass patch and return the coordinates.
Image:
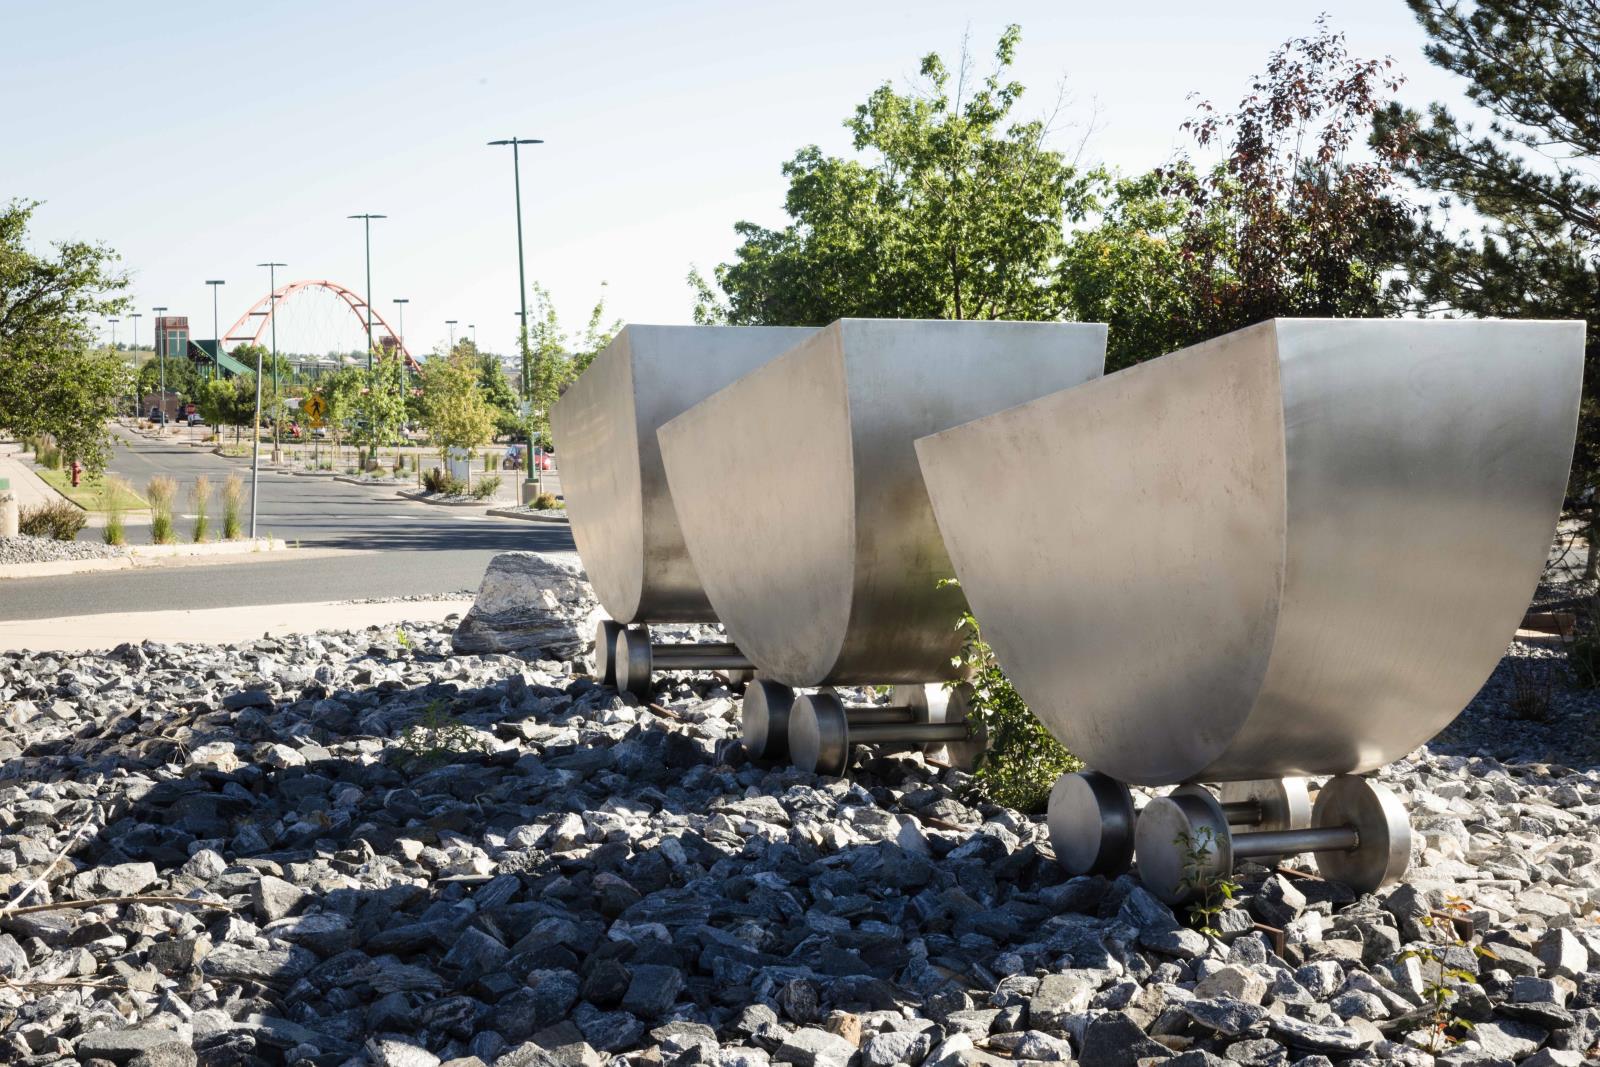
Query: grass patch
(92, 492)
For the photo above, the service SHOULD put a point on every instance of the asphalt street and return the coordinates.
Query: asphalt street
(394, 546)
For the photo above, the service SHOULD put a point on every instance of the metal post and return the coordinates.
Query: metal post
(522, 293)
(161, 349)
(452, 324)
(113, 333)
(216, 357)
(136, 316)
(366, 223)
(401, 302)
(255, 451)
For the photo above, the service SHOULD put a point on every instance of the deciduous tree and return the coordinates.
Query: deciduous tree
(953, 208)
(50, 379)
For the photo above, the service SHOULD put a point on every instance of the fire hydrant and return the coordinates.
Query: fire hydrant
(77, 471)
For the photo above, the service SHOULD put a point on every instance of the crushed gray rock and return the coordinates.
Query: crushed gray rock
(25, 549)
(432, 857)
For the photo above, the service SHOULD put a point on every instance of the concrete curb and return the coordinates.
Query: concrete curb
(422, 498)
(146, 556)
(556, 516)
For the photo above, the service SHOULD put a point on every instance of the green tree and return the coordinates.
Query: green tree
(228, 402)
(455, 408)
(1533, 248)
(957, 210)
(378, 410)
(1124, 270)
(53, 379)
(1291, 222)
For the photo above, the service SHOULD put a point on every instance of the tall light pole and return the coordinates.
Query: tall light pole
(522, 288)
(452, 324)
(366, 225)
(113, 333)
(161, 350)
(401, 302)
(474, 328)
(255, 450)
(216, 362)
(135, 316)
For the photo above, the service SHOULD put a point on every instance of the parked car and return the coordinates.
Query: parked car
(157, 415)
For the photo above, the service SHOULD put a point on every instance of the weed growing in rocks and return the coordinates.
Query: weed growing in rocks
(1212, 892)
(59, 520)
(437, 737)
(114, 532)
(1442, 982)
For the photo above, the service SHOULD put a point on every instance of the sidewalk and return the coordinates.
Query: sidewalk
(30, 488)
(82, 633)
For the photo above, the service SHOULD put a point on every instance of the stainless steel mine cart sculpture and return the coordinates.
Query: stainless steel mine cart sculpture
(803, 509)
(616, 490)
(1295, 550)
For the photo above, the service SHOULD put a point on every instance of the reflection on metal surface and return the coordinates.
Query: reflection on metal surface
(799, 497)
(1296, 549)
(605, 433)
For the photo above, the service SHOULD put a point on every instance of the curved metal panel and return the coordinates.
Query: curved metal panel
(611, 473)
(1297, 549)
(800, 499)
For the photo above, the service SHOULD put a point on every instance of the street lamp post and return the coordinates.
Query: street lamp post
(474, 328)
(522, 291)
(401, 302)
(135, 316)
(161, 350)
(255, 452)
(216, 360)
(366, 225)
(452, 324)
(113, 333)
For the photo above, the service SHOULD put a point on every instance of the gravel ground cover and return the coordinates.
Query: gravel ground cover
(24, 549)
(362, 849)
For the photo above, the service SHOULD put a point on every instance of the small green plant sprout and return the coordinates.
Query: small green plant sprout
(1442, 983)
(1023, 759)
(436, 737)
(1211, 893)
(402, 638)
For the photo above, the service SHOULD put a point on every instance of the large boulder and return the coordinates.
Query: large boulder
(530, 603)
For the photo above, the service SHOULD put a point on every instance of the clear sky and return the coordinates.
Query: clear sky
(200, 138)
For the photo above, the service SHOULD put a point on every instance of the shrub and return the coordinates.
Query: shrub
(232, 505)
(438, 481)
(545, 502)
(161, 491)
(1023, 759)
(114, 532)
(59, 520)
(487, 487)
(200, 497)
(49, 456)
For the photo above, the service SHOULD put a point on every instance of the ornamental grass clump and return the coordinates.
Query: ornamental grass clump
(113, 503)
(200, 497)
(161, 491)
(232, 506)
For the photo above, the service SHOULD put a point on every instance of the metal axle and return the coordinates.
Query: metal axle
(627, 658)
(765, 712)
(822, 729)
(1358, 833)
(1290, 842)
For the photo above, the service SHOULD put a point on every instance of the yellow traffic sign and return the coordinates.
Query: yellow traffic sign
(315, 409)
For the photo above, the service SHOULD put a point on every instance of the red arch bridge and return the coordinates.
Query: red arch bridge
(252, 326)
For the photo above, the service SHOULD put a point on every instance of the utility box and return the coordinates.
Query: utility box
(10, 513)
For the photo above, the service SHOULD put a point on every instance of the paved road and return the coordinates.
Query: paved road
(402, 547)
